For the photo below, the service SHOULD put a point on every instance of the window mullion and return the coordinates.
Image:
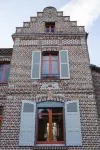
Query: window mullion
(50, 125)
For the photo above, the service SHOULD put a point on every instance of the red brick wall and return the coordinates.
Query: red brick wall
(79, 87)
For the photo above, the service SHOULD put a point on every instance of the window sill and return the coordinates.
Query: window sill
(3, 84)
(50, 145)
(50, 77)
(49, 32)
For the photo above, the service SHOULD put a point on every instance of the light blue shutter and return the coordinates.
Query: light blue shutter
(36, 65)
(72, 122)
(64, 65)
(27, 124)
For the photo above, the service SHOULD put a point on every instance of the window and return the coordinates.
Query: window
(50, 65)
(4, 71)
(50, 27)
(1, 113)
(50, 126)
(50, 122)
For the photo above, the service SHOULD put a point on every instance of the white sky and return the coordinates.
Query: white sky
(84, 11)
(87, 12)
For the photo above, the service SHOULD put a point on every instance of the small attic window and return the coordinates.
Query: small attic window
(50, 27)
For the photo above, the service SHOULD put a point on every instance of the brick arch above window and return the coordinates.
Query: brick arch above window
(49, 48)
(60, 98)
(51, 103)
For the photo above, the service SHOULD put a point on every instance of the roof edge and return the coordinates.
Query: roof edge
(95, 68)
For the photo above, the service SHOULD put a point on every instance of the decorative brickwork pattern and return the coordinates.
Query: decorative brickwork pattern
(32, 37)
(96, 83)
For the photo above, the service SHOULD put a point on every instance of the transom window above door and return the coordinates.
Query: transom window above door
(50, 65)
(50, 126)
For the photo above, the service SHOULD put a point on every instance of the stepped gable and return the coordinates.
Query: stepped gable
(49, 14)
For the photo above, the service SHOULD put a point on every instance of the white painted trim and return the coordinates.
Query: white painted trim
(64, 63)
(39, 65)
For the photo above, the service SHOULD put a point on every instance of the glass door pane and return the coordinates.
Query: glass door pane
(57, 128)
(43, 127)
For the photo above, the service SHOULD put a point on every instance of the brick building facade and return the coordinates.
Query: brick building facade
(51, 99)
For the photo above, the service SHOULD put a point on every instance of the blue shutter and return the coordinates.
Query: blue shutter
(64, 65)
(27, 124)
(73, 125)
(36, 65)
